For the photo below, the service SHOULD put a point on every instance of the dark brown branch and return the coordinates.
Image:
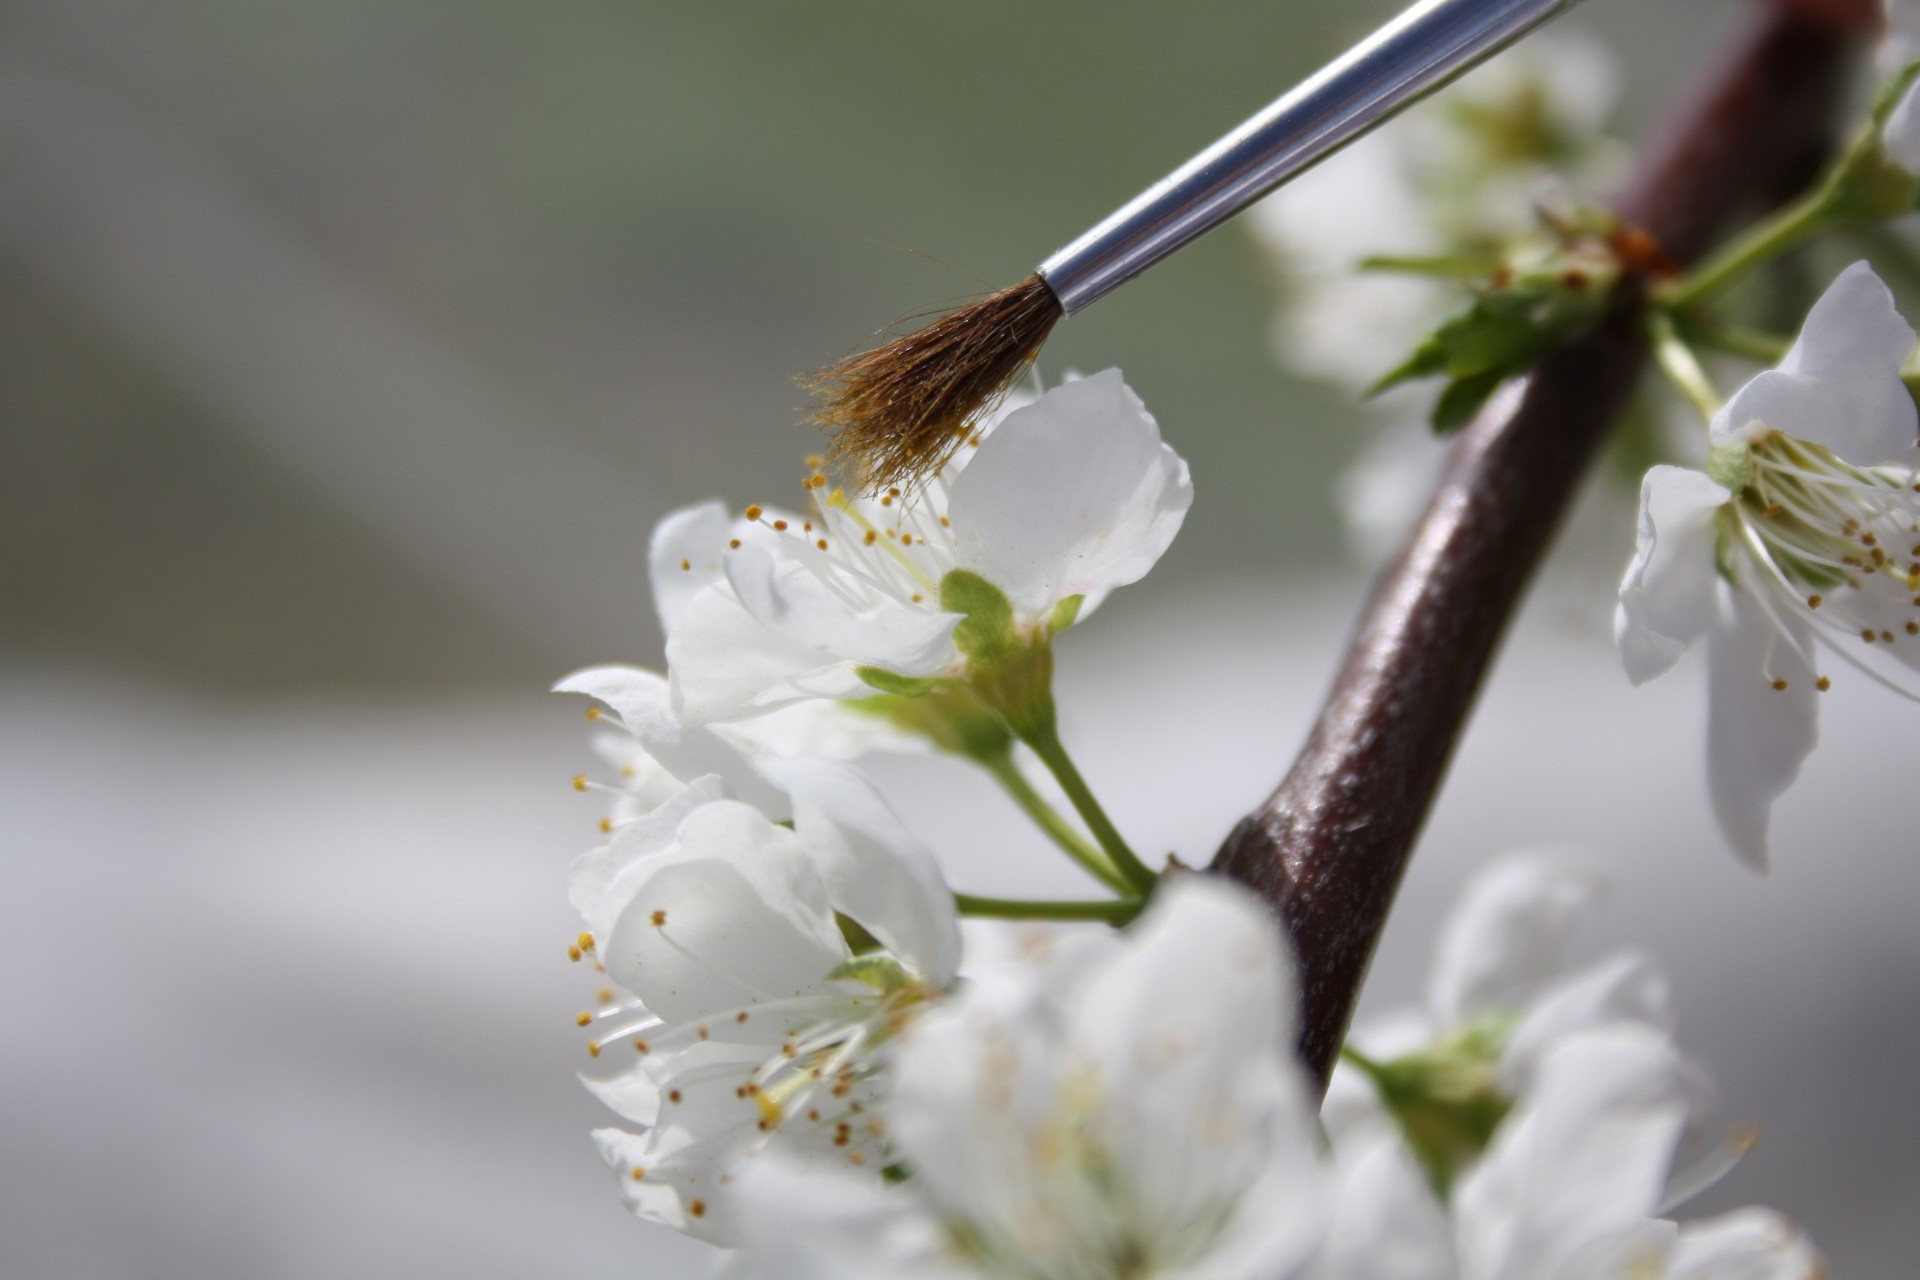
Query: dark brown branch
(1327, 849)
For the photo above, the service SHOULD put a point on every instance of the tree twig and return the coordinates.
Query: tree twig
(1328, 848)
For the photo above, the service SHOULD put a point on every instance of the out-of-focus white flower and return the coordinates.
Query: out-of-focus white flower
(1901, 47)
(1804, 528)
(1064, 499)
(1501, 992)
(751, 1020)
(654, 755)
(1459, 176)
(1569, 1190)
(1138, 1115)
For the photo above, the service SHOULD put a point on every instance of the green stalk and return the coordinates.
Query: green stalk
(1734, 340)
(1112, 911)
(1793, 224)
(1677, 361)
(1051, 821)
(1045, 741)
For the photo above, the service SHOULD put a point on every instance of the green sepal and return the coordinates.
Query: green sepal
(1445, 1098)
(987, 629)
(898, 685)
(1010, 673)
(1065, 614)
(883, 973)
(948, 716)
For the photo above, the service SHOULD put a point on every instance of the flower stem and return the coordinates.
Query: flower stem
(1112, 911)
(1682, 367)
(1051, 821)
(1797, 222)
(1045, 742)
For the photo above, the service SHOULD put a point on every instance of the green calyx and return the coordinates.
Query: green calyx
(1009, 671)
(1445, 1098)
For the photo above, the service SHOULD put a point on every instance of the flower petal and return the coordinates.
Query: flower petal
(1507, 933)
(1579, 1162)
(1385, 1222)
(686, 555)
(1666, 598)
(791, 596)
(875, 870)
(1902, 131)
(642, 700)
(806, 1224)
(1757, 735)
(724, 664)
(1840, 384)
(1621, 988)
(734, 915)
(594, 880)
(1072, 495)
(1747, 1244)
(1191, 1028)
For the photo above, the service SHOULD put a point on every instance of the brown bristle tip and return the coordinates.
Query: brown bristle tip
(899, 411)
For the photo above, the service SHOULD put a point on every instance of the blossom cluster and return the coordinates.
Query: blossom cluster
(812, 1070)
(818, 1068)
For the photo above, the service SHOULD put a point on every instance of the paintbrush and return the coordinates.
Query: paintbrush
(899, 410)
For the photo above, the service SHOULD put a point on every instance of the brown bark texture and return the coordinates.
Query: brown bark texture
(1327, 849)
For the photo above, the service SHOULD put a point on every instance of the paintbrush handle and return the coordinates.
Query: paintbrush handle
(1418, 52)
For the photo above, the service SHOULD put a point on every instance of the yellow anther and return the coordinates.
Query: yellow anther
(822, 544)
(753, 512)
(573, 954)
(769, 1109)
(593, 1048)
(639, 1172)
(733, 544)
(869, 538)
(593, 713)
(604, 995)
(582, 1018)
(1823, 684)
(585, 942)
(579, 782)
(659, 918)
(780, 526)
(686, 565)
(606, 826)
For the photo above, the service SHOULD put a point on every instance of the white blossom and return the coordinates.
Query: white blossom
(1571, 1188)
(1136, 1114)
(750, 1020)
(1064, 499)
(654, 755)
(1802, 538)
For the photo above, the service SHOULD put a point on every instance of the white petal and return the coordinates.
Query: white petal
(792, 598)
(723, 664)
(1191, 1026)
(734, 915)
(1757, 735)
(596, 882)
(1385, 1222)
(1902, 132)
(642, 701)
(1072, 495)
(1620, 988)
(1747, 1244)
(1580, 1162)
(1840, 384)
(874, 869)
(1666, 598)
(1507, 933)
(695, 537)
(805, 1224)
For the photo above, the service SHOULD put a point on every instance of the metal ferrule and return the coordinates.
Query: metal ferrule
(1417, 53)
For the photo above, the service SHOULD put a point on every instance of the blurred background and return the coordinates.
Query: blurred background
(348, 352)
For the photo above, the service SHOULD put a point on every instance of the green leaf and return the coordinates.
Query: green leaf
(1462, 399)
